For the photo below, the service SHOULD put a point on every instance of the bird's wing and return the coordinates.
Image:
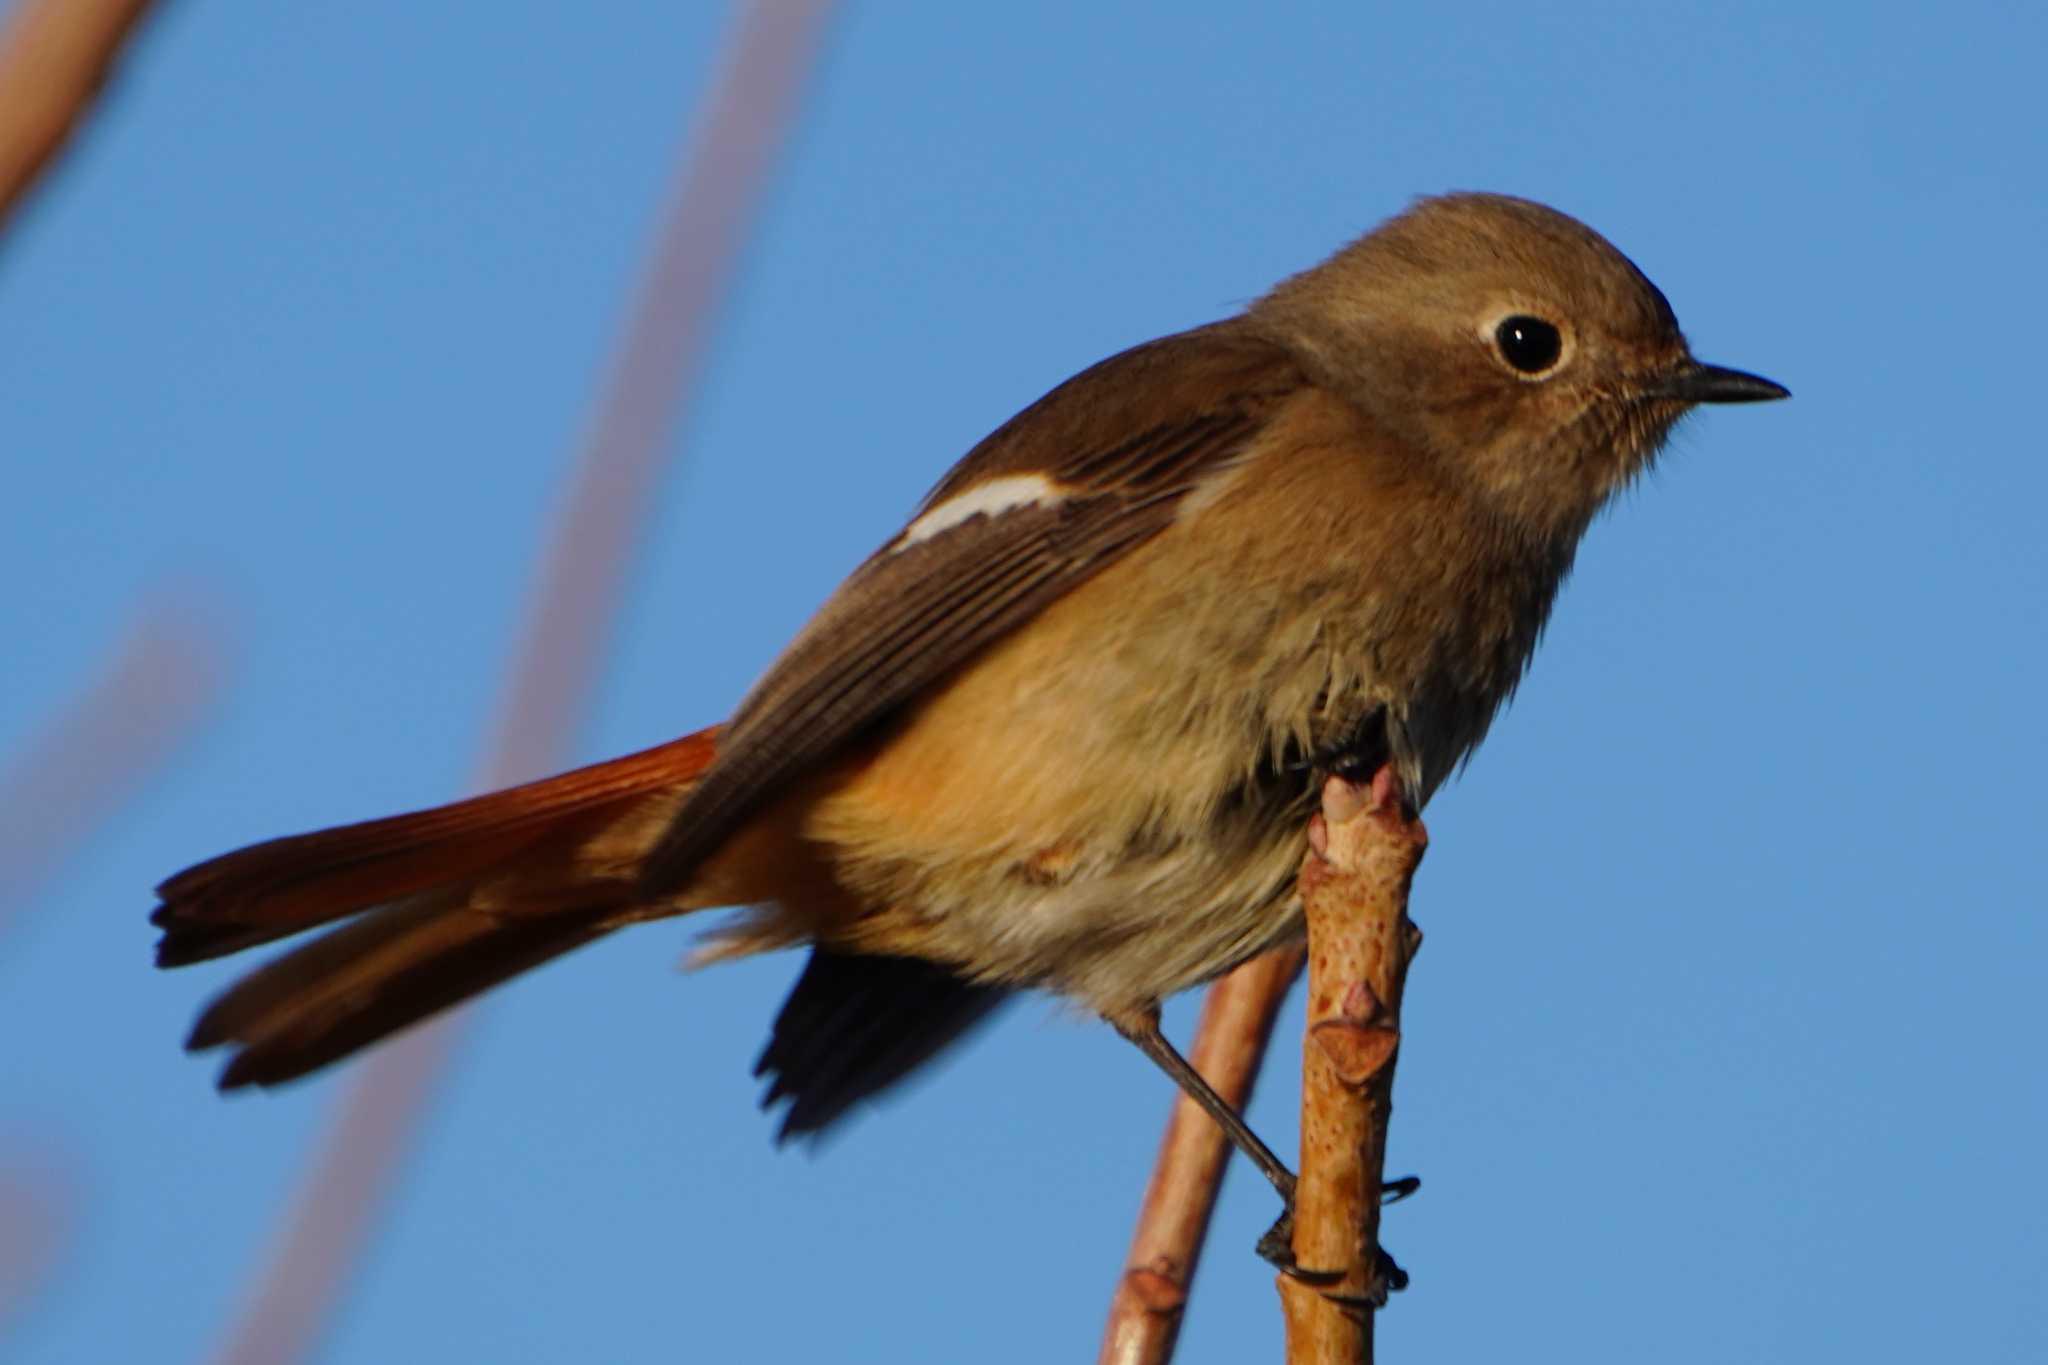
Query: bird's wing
(1064, 489)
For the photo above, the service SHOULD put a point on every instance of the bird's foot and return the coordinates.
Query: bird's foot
(1276, 1247)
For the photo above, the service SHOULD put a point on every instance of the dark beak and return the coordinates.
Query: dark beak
(1693, 382)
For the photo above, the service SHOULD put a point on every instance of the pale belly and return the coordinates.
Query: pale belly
(1083, 810)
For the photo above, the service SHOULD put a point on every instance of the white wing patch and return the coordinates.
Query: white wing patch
(990, 499)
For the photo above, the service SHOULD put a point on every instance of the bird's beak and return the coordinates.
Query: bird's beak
(1692, 382)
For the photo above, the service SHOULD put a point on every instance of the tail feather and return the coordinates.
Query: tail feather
(285, 886)
(370, 979)
(449, 902)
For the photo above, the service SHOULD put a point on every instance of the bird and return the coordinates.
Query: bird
(1064, 731)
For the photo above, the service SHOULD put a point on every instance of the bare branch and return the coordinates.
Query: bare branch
(1230, 1044)
(1354, 889)
(744, 121)
(54, 59)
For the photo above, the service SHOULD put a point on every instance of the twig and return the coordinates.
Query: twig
(54, 59)
(743, 123)
(1151, 1295)
(1354, 888)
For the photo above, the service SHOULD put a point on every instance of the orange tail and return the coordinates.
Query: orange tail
(450, 902)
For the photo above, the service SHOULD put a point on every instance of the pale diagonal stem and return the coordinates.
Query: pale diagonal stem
(743, 124)
(113, 737)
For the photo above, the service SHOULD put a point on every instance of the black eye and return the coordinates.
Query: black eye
(1529, 344)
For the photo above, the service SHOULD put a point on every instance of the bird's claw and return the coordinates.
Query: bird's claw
(1276, 1247)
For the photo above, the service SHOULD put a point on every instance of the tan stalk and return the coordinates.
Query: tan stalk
(1354, 886)
(1151, 1295)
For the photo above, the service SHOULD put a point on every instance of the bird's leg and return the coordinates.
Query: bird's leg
(1141, 1026)
(1277, 1245)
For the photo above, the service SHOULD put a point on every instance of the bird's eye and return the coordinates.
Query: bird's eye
(1529, 344)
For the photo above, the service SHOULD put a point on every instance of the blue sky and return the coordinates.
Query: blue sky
(1726, 1042)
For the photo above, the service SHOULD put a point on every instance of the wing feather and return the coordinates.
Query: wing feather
(1119, 447)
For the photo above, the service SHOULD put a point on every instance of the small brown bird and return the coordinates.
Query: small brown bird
(1065, 730)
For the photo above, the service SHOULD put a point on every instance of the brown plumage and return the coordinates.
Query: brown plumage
(1063, 730)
